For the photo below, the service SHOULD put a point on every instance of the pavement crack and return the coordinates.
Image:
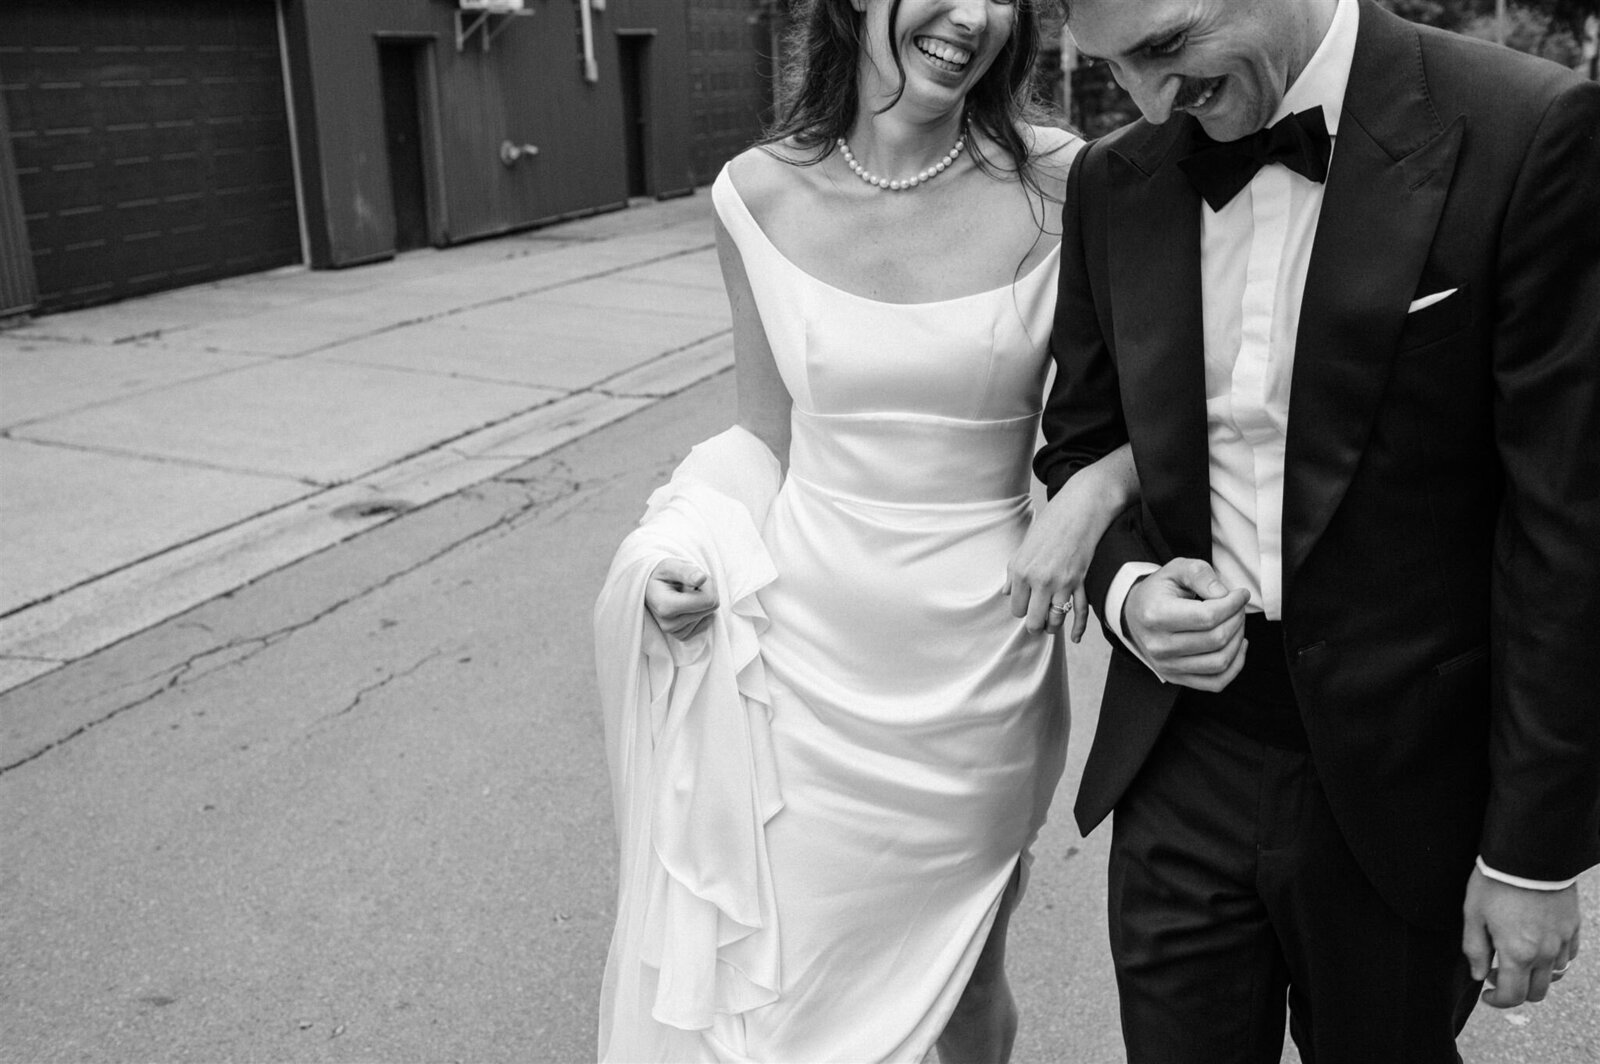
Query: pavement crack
(378, 686)
(540, 495)
(133, 338)
(601, 386)
(172, 681)
(466, 308)
(156, 458)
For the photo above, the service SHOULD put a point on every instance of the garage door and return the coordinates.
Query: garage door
(151, 141)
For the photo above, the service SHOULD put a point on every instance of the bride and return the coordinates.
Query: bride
(831, 742)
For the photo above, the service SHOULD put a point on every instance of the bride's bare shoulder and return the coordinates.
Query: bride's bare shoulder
(767, 172)
(1053, 150)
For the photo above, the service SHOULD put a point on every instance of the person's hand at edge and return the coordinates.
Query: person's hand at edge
(1518, 940)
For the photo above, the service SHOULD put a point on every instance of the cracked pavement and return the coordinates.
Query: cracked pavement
(357, 810)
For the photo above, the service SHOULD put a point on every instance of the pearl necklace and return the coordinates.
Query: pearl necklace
(900, 185)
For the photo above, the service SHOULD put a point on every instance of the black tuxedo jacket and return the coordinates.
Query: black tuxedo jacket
(1441, 513)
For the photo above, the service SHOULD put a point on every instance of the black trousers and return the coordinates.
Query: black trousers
(1235, 900)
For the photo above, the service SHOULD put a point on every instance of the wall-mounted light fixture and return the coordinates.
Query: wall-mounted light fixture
(487, 18)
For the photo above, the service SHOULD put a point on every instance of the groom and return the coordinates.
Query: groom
(1341, 291)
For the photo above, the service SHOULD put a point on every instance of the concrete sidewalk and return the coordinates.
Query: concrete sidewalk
(159, 452)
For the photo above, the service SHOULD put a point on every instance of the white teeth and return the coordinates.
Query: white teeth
(1204, 97)
(943, 51)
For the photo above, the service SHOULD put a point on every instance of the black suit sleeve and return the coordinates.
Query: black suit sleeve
(1543, 817)
(1083, 413)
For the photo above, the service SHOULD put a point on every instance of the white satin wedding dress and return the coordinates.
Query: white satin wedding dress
(918, 729)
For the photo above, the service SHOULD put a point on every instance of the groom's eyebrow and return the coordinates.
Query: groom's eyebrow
(1159, 35)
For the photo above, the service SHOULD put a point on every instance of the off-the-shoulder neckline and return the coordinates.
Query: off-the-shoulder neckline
(727, 177)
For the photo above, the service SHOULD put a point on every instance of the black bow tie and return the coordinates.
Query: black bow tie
(1221, 168)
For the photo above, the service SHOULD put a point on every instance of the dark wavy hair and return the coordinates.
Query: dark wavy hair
(817, 95)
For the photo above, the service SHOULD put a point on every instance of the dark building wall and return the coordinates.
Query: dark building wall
(668, 96)
(698, 98)
(528, 88)
(731, 48)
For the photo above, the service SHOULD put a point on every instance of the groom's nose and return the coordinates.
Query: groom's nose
(1153, 93)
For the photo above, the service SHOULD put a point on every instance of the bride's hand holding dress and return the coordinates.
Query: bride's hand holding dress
(682, 597)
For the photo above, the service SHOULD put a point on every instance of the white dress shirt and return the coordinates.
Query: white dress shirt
(1254, 254)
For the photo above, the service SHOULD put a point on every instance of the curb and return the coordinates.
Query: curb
(107, 609)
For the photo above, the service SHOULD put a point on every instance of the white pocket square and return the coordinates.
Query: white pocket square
(1428, 301)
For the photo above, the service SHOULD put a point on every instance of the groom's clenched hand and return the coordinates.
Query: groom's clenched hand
(1188, 626)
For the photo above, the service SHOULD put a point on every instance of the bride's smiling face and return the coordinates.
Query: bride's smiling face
(944, 46)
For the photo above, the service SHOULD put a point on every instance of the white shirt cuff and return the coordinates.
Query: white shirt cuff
(1526, 884)
(1121, 584)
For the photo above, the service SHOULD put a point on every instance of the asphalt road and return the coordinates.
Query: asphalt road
(358, 810)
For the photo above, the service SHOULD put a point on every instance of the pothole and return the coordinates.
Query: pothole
(365, 511)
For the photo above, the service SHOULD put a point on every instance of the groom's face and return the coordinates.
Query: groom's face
(1227, 62)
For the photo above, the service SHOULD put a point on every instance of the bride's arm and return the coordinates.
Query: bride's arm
(1050, 565)
(680, 596)
(764, 401)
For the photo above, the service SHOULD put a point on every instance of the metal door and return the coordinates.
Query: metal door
(399, 63)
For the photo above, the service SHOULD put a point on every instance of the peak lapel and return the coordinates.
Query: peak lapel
(1391, 168)
(1158, 328)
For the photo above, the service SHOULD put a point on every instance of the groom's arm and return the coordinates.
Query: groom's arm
(1083, 413)
(1188, 628)
(1542, 823)
(1543, 817)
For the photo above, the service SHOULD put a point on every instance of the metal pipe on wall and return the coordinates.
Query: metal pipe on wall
(294, 137)
(591, 69)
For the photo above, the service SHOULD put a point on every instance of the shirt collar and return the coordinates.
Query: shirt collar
(1322, 82)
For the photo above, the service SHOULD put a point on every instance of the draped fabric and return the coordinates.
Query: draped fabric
(917, 730)
(694, 781)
